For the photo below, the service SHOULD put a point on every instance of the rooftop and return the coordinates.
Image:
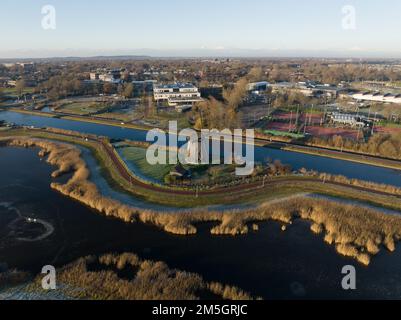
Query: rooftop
(175, 86)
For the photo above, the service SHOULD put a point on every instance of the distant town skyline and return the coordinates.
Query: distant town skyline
(255, 28)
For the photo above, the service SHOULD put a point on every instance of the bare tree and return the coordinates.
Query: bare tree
(128, 90)
(20, 87)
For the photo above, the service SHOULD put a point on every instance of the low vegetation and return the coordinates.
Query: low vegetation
(127, 277)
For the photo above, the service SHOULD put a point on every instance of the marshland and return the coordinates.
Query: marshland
(334, 231)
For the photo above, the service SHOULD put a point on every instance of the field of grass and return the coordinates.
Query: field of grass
(163, 117)
(81, 108)
(137, 156)
(199, 174)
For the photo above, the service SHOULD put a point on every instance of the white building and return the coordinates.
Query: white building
(94, 76)
(108, 77)
(177, 94)
(378, 97)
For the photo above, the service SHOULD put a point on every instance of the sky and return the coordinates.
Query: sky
(202, 28)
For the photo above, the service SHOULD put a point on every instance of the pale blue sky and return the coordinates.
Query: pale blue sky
(200, 27)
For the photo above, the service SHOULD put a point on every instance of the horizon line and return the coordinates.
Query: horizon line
(144, 56)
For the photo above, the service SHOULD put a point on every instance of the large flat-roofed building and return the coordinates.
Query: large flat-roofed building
(377, 97)
(177, 94)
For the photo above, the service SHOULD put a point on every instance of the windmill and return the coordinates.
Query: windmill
(195, 150)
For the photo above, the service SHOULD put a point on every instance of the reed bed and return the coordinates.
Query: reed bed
(99, 278)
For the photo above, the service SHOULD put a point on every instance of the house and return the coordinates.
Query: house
(94, 76)
(11, 83)
(106, 75)
(109, 77)
(180, 172)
